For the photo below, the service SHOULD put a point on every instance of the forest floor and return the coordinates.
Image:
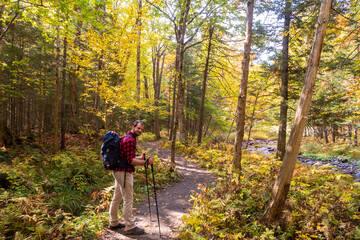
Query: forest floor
(173, 201)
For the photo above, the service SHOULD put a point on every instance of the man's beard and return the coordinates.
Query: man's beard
(136, 135)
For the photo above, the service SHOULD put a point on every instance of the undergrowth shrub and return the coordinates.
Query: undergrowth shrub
(313, 148)
(64, 195)
(321, 204)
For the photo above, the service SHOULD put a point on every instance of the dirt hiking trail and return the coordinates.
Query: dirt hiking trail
(173, 202)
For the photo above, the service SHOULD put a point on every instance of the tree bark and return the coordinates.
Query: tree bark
(180, 106)
(355, 135)
(282, 184)
(281, 143)
(349, 133)
(97, 94)
(57, 86)
(203, 89)
(2, 101)
(326, 135)
(138, 60)
(252, 118)
(63, 121)
(240, 121)
(334, 131)
(180, 36)
(157, 88)
(173, 114)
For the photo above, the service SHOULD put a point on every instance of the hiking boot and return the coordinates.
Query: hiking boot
(119, 226)
(135, 231)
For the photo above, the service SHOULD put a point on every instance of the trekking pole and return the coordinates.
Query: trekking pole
(157, 210)
(147, 184)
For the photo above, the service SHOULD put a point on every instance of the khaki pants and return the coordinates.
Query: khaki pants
(121, 193)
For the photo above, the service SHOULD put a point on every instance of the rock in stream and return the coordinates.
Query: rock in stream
(343, 165)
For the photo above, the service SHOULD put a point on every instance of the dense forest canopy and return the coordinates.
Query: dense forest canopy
(80, 58)
(70, 66)
(197, 72)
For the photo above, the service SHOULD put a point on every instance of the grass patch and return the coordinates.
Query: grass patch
(320, 204)
(316, 149)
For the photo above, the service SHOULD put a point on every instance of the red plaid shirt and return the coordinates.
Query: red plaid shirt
(127, 150)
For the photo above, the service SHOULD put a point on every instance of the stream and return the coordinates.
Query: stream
(343, 165)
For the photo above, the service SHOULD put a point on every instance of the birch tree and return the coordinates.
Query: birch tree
(241, 104)
(282, 184)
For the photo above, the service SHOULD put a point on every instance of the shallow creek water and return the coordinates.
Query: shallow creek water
(268, 148)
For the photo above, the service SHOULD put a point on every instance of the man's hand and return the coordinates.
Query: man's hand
(151, 160)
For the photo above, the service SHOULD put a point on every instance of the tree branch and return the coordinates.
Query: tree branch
(8, 27)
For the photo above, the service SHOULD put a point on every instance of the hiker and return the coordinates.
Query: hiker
(124, 181)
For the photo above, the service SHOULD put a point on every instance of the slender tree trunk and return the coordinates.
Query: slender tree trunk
(228, 135)
(146, 87)
(97, 94)
(168, 96)
(334, 130)
(280, 149)
(321, 132)
(63, 121)
(28, 114)
(355, 135)
(57, 86)
(180, 36)
(173, 114)
(207, 127)
(73, 101)
(326, 135)
(2, 101)
(180, 106)
(203, 90)
(138, 62)
(181, 84)
(350, 133)
(43, 109)
(157, 86)
(282, 184)
(252, 119)
(240, 118)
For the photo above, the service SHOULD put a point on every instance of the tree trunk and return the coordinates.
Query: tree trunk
(57, 86)
(28, 113)
(180, 36)
(282, 184)
(146, 87)
(228, 135)
(207, 127)
(173, 114)
(326, 135)
(280, 149)
(240, 118)
(355, 136)
(350, 133)
(180, 106)
(334, 130)
(157, 88)
(138, 62)
(63, 123)
(203, 90)
(252, 118)
(2, 100)
(97, 94)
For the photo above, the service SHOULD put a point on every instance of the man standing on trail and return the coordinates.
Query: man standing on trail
(124, 181)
